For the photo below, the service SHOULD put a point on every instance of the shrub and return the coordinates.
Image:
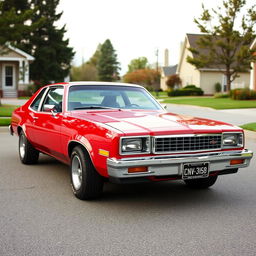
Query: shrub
(243, 94)
(221, 95)
(189, 90)
(173, 80)
(147, 77)
(217, 87)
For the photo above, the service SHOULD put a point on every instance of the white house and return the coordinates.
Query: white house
(205, 78)
(253, 70)
(14, 71)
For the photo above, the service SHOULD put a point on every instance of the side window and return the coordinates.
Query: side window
(53, 100)
(37, 100)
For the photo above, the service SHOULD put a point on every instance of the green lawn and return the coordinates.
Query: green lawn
(222, 103)
(250, 126)
(24, 98)
(159, 95)
(6, 110)
(5, 121)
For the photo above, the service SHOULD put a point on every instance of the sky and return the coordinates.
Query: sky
(136, 28)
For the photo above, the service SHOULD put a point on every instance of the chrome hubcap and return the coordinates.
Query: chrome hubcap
(76, 172)
(22, 146)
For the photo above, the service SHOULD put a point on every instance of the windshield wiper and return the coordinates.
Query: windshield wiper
(94, 107)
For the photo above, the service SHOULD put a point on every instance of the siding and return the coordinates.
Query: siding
(188, 73)
(209, 78)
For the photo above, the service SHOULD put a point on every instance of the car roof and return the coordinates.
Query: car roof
(95, 83)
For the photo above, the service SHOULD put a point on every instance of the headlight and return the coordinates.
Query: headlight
(233, 140)
(135, 145)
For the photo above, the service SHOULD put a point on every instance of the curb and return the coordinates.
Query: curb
(250, 134)
(4, 129)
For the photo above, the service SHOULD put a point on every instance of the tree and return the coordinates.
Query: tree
(147, 77)
(108, 66)
(85, 72)
(46, 42)
(173, 80)
(94, 60)
(139, 63)
(226, 44)
(14, 23)
(51, 51)
(15, 17)
(88, 70)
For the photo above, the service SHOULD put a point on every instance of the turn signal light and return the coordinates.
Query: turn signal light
(137, 169)
(236, 161)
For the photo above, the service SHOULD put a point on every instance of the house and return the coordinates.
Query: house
(205, 78)
(253, 70)
(14, 71)
(166, 71)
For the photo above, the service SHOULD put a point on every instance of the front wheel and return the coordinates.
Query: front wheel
(85, 180)
(28, 154)
(201, 183)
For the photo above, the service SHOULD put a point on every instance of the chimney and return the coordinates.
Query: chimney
(166, 57)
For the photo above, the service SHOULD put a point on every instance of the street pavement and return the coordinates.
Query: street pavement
(40, 216)
(232, 116)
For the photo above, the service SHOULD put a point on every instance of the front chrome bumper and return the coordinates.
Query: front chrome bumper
(10, 130)
(172, 165)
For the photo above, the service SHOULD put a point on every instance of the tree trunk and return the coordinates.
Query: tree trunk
(228, 83)
(228, 76)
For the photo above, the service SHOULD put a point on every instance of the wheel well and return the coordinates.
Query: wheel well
(19, 129)
(73, 144)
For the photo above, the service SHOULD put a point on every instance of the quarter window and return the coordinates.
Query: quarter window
(53, 100)
(37, 100)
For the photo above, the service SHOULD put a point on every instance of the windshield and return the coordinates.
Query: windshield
(104, 97)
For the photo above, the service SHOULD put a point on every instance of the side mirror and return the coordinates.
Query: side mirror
(48, 108)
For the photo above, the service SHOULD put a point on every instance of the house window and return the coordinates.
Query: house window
(8, 75)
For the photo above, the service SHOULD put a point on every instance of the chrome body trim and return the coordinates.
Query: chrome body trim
(10, 130)
(184, 136)
(172, 164)
(134, 153)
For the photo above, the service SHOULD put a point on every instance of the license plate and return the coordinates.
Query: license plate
(195, 171)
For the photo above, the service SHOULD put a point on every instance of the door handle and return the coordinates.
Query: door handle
(35, 117)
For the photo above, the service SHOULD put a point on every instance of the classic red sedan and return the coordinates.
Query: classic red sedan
(119, 132)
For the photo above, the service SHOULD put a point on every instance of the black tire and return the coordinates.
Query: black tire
(86, 182)
(201, 183)
(28, 154)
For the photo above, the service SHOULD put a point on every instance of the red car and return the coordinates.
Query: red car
(119, 132)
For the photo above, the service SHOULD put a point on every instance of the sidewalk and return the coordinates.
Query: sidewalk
(13, 101)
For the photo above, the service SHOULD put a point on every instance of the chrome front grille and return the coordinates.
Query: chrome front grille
(186, 143)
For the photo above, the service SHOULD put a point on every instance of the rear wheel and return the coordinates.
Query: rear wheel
(201, 183)
(85, 180)
(28, 154)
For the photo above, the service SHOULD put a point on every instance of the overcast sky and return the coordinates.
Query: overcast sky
(136, 28)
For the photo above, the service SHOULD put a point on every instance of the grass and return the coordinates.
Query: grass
(216, 103)
(6, 110)
(250, 126)
(159, 95)
(5, 121)
(24, 97)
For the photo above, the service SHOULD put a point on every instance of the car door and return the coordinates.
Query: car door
(47, 123)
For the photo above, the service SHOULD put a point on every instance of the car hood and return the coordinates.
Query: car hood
(153, 122)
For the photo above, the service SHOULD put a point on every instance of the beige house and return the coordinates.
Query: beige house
(205, 78)
(166, 71)
(14, 72)
(253, 70)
